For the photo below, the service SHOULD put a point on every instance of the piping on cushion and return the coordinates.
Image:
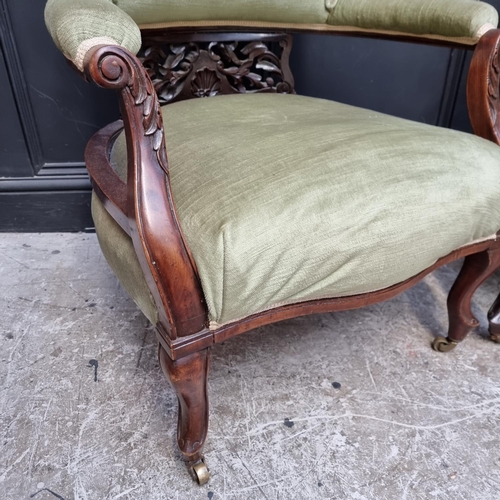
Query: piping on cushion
(213, 325)
(313, 27)
(86, 45)
(484, 29)
(330, 4)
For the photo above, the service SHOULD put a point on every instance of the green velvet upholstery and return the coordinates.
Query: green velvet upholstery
(74, 23)
(77, 25)
(284, 11)
(449, 18)
(285, 198)
(118, 250)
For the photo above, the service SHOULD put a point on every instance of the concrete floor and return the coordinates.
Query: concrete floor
(373, 412)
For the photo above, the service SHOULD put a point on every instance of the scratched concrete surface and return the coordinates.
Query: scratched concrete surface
(373, 412)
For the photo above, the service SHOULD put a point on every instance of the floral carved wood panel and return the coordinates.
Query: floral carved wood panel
(203, 68)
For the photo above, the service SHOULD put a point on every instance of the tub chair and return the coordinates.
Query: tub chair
(256, 205)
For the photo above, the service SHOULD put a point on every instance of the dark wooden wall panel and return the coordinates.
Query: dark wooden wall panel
(67, 111)
(14, 159)
(460, 119)
(398, 78)
(64, 211)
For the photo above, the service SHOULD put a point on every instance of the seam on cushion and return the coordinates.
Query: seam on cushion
(304, 27)
(484, 29)
(86, 45)
(215, 326)
(223, 293)
(330, 4)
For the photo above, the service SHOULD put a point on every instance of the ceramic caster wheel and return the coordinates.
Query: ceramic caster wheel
(200, 472)
(443, 344)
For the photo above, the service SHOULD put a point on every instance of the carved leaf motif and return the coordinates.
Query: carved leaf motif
(169, 67)
(257, 45)
(241, 71)
(173, 60)
(268, 66)
(201, 69)
(118, 70)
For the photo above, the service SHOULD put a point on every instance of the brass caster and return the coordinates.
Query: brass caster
(494, 330)
(200, 472)
(443, 344)
(495, 337)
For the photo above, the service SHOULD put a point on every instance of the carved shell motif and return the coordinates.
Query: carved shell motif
(206, 68)
(206, 83)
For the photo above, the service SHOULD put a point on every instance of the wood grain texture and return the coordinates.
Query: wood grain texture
(483, 88)
(476, 269)
(107, 184)
(154, 227)
(188, 376)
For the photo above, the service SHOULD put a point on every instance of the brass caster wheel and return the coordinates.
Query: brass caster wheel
(443, 344)
(494, 330)
(495, 337)
(200, 472)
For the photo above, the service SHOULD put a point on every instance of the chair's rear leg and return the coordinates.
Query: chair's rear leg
(476, 269)
(188, 376)
(494, 320)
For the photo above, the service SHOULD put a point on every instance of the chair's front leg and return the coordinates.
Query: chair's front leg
(188, 376)
(475, 270)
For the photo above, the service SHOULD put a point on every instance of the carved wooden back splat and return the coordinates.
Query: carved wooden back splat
(154, 227)
(187, 65)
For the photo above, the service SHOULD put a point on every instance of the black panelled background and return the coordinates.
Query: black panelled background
(48, 113)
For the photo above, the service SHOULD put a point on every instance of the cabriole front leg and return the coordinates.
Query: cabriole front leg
(475, 270)
(188, 376)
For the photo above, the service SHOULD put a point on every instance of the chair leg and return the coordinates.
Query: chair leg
(476, 269)
(188, 376)
(494, 320)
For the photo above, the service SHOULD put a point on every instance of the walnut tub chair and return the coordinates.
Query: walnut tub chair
(272, 205)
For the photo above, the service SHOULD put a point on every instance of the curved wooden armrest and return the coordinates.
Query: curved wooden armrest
(153, 224)
(106, 183)
(483, 87)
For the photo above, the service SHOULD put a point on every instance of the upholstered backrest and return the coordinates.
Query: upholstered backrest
(448, 18)
(77, 25)
(284, 11)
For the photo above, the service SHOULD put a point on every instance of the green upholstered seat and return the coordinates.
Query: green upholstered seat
(285, 198)
(77, 25)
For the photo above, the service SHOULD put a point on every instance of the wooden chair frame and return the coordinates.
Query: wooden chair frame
(144, 208)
